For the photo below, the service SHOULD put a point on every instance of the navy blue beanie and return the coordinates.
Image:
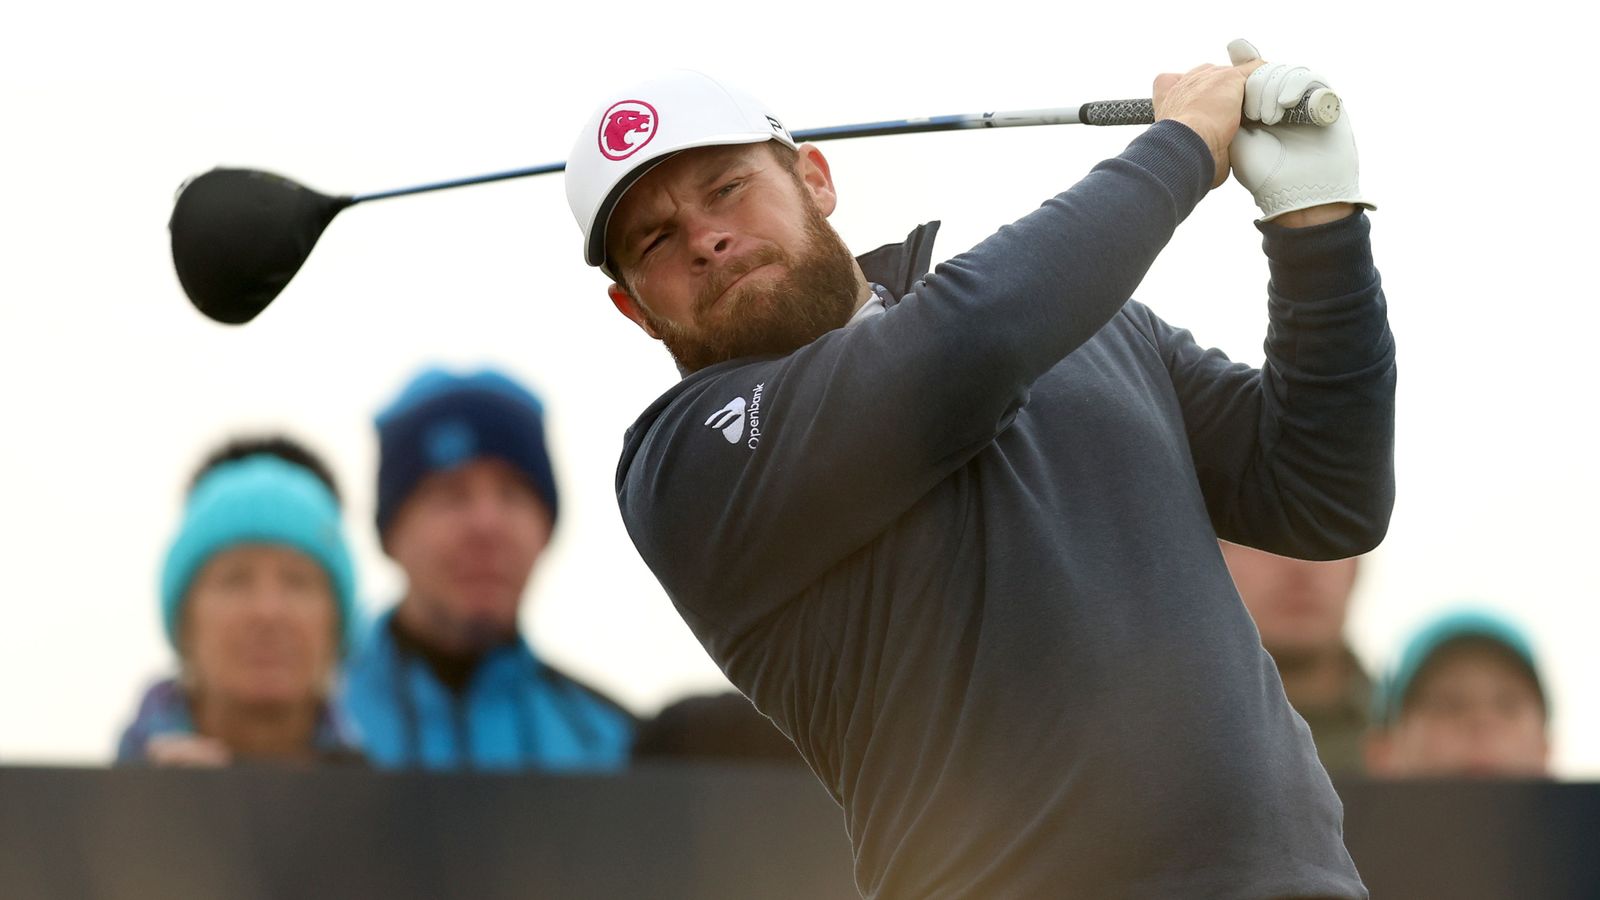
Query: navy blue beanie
(442, 420)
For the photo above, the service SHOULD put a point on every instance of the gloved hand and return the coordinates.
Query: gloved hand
(1290, 167)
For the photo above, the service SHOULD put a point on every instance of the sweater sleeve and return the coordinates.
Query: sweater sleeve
(1297, 458)
(753, 478)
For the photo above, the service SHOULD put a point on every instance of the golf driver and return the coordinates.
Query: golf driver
(240, 235)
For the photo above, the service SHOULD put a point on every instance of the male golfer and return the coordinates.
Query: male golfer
(960, 545)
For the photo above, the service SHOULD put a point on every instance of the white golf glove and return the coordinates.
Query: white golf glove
(1289, 167)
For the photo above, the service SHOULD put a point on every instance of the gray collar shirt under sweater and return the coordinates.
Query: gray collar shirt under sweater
(964, 552)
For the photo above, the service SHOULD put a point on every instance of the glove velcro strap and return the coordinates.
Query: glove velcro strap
(1290, 199)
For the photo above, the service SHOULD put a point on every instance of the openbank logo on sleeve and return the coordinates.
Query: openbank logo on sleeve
(730, 419)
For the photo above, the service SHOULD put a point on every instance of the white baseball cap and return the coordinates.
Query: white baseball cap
(638, 127)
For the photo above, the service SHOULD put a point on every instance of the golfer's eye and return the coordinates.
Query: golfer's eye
(657, 241)
(729, 188)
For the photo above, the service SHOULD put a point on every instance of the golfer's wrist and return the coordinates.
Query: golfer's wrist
(1315, 215)
(1199, 125)
(1178, 158)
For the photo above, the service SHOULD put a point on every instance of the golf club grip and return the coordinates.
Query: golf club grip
(1142, 112)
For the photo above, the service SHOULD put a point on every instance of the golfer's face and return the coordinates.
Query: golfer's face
(706, 229)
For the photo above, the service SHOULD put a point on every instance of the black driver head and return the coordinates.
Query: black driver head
(239, 235)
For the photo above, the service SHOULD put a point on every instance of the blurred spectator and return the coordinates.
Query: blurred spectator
(466, 504)
(1300, 608)
(1465, 700)
(258, 600)
(713, 727)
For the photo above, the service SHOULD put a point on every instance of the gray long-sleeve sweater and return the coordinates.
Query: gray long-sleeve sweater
(964, 552)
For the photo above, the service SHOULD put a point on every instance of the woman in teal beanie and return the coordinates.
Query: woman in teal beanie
(258, 600)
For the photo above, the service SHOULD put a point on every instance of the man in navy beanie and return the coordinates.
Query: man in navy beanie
(466, 504)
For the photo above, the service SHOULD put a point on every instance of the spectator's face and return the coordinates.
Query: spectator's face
(1299, 607)
(467, 539)
(1471, 712)
(260, 627)
(726, 252)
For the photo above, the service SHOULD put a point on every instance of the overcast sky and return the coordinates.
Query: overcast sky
(113, 386)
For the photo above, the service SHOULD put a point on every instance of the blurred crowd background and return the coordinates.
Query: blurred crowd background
(274, 658)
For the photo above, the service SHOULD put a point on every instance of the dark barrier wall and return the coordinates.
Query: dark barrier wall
(761, 833)
(1469, 840)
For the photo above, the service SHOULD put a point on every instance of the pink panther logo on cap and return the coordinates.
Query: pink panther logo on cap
(627, 119)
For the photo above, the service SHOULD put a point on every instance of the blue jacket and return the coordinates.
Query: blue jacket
(517, 712)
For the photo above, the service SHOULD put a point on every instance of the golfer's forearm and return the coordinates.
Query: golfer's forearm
(1326, 302)
(1329, 388)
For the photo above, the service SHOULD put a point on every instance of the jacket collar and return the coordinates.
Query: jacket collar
(898, 267)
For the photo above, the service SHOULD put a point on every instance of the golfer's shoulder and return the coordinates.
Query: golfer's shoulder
(705, 409)
(1137, 318)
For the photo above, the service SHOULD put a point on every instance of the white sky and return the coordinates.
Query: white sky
(112, 386)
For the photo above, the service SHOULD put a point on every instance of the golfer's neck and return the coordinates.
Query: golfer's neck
(863, 290)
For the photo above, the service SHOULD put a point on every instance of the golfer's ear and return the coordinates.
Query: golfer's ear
(815, 175)
(625, 304)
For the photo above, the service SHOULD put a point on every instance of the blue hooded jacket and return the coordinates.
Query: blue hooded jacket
(516, 712)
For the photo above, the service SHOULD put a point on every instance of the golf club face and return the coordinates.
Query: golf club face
(240, 235)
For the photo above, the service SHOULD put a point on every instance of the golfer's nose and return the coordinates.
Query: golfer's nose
(710, 241)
